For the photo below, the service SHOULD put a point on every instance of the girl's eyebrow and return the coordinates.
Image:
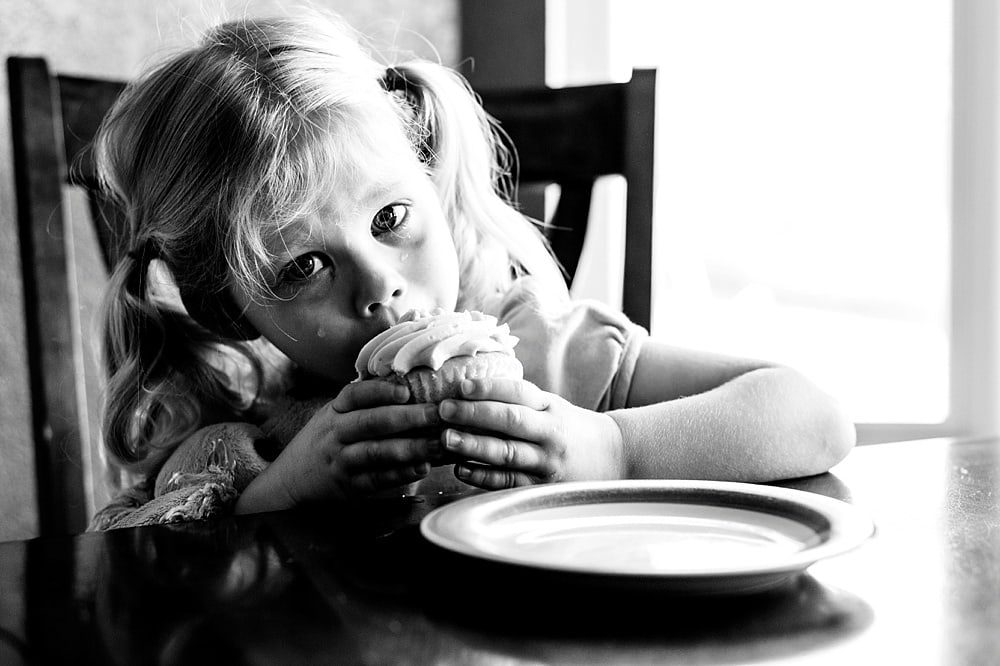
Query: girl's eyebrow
(377, 191)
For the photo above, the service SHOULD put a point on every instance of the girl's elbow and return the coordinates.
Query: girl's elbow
(841, 440)
(826, 425)
(836, 436)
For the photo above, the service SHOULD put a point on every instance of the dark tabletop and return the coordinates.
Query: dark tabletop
(359, 584)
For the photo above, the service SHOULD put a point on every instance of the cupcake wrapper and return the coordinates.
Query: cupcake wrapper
(428, 385)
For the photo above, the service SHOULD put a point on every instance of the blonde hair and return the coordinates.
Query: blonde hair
(214, 152)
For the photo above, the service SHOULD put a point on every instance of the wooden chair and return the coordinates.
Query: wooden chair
(53, 119)
(571, 136)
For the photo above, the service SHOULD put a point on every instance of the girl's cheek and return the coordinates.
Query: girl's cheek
(414, 255)
(321, 290)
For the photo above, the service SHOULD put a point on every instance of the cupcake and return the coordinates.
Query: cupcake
(433, 352)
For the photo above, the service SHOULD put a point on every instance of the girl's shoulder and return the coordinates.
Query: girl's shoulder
(582, 349)
(529, 298)
(529, 294)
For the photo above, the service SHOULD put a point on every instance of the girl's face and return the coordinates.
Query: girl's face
(379, 246)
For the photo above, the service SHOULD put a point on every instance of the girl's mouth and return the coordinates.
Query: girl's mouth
(383, 319)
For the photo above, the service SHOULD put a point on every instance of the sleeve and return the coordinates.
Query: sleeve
(584, 351)
(201, 479)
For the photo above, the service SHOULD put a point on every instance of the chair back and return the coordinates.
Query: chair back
(54, 118)
(572, 136)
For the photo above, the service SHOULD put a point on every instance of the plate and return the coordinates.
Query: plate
(691, 536)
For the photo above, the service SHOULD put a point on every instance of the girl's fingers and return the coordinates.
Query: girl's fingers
(490, 478)
(388, 454)
(371, 482)
(379, 422)
(369, 393)
(497, 452)
(514, 420)
(513, 391)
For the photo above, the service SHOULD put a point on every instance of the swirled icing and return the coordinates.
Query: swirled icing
(428, 339)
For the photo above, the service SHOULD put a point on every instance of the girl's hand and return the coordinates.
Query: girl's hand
(531, 436)
(363, 441)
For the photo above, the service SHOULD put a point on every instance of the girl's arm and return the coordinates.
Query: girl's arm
(700, 415)
(694, 415)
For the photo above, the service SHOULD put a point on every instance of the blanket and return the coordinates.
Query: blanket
(207, 472)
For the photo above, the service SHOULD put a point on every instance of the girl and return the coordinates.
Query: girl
(296, 197)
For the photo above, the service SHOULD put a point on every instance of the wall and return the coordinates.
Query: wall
(115, 39)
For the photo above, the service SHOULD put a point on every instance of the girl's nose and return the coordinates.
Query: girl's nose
(380, 286)
(374, 307)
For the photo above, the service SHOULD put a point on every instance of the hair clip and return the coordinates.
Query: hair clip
(394, 80)
(409, 96)
(144, 252)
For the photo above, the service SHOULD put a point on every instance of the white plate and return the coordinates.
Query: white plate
(692, 536)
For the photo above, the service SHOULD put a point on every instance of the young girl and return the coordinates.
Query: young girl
(289, 198)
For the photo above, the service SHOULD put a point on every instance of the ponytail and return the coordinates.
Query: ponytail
(159, 388)
(461, 146)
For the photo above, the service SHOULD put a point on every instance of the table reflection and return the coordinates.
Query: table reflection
(180, 595)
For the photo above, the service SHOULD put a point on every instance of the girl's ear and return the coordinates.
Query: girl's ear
(218, 313)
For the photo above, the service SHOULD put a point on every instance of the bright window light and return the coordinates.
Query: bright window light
(803, 203)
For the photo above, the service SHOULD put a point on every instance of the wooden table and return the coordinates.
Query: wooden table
(360, 585)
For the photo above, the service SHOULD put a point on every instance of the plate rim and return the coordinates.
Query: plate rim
(850, 526)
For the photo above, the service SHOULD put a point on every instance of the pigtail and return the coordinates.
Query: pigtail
(158, 388)
(461, 145)
(168, 374)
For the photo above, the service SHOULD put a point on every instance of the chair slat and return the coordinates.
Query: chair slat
(40, 169)
(640, 121)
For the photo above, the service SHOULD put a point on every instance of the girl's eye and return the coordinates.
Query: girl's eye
(302, 268)
(390, 218)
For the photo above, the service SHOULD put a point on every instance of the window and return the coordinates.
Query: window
(806, 155)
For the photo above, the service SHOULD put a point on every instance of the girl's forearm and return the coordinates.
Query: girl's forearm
(764, 425)
(267, 492)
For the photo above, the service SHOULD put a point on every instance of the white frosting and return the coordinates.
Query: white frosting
(428, 339)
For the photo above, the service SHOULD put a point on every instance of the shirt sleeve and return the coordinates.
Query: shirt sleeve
(582, 350)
